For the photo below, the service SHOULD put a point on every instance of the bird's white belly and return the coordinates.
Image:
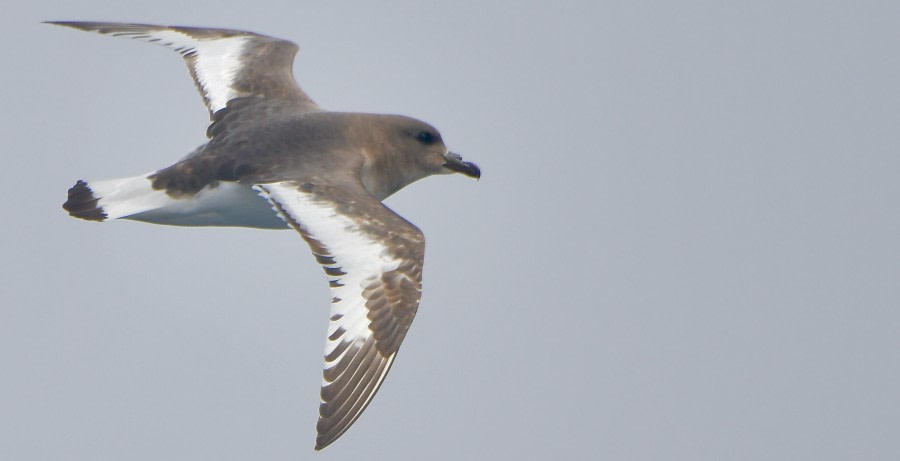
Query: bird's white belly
(228, 204)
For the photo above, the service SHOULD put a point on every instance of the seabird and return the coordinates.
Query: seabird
(276, 160)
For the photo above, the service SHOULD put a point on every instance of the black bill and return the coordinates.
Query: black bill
(456, 163)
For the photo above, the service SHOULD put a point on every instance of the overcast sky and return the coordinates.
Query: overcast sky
(685, 244)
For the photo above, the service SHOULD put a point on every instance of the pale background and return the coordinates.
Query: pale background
(684, 246)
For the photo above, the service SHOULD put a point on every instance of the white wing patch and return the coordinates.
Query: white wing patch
(358, 261)
(224, 63)
(216, 61)
(375, 292)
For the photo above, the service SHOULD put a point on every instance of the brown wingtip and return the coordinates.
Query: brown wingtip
(72, 24)
(82, 203)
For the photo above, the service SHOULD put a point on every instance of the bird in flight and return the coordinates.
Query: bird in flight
(276, 160)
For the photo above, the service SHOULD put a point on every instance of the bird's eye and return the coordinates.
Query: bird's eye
(425, 137)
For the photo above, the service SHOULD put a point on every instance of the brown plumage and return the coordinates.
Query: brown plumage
(322, 173)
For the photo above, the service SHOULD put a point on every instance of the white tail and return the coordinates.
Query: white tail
(221, 204)
(114, 198)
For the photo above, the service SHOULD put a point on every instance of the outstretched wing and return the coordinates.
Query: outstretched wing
(373, 259)
(225, 64)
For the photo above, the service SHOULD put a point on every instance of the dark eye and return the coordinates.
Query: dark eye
(425, 137)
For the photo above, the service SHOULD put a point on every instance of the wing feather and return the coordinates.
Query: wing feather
(224, 63)
(373, 259)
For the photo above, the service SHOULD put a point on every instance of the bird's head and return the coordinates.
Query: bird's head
(409, 150)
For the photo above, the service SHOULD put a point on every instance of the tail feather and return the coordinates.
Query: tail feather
(114, 198)
(82, 203)
(218, 204)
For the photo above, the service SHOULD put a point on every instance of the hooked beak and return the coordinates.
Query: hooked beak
(456, 163)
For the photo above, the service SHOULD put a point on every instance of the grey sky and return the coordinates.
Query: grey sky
(684, 245)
